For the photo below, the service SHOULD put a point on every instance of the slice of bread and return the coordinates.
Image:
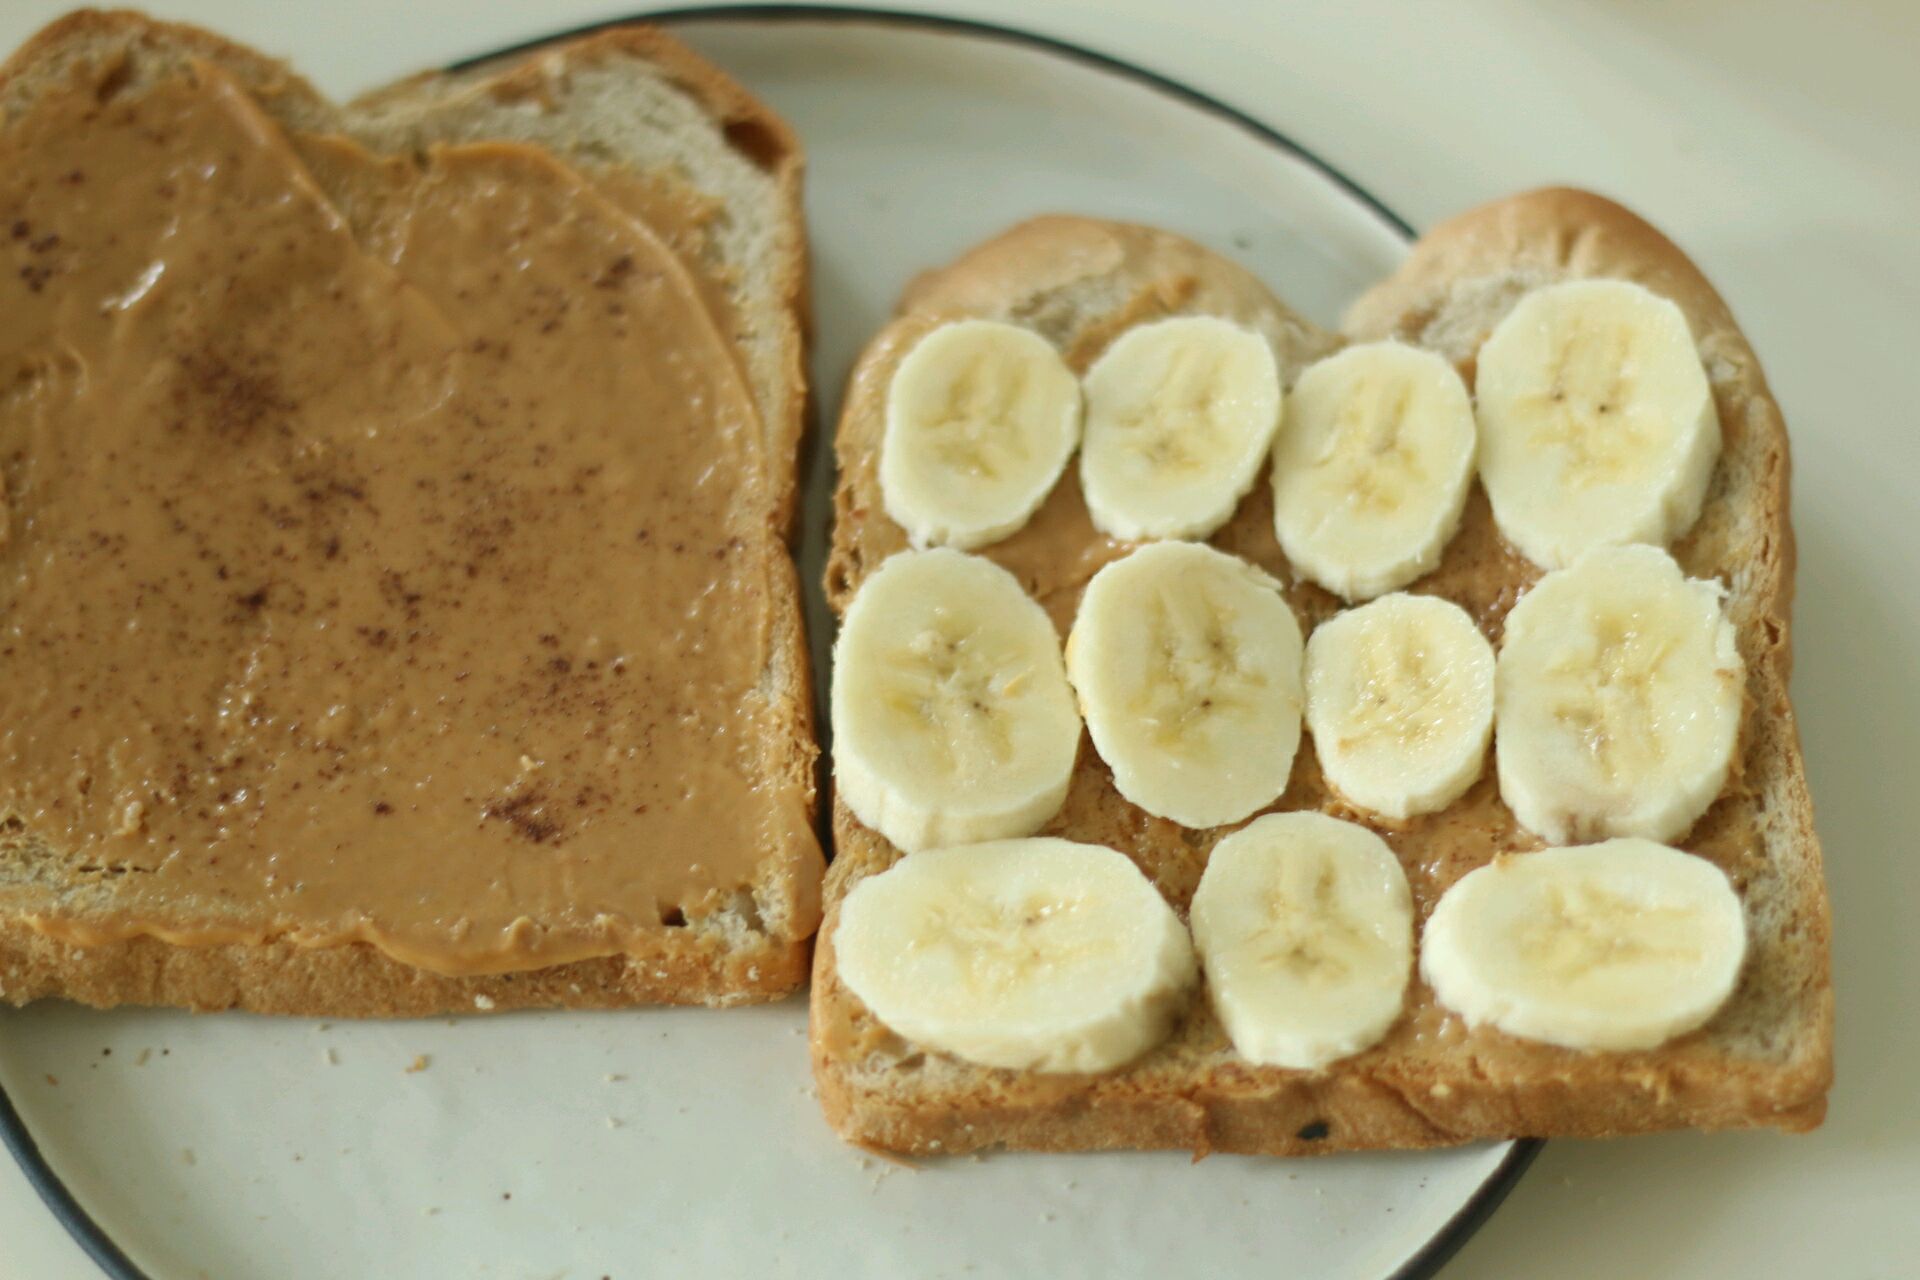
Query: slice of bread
(666, 136)
(1765, 1060)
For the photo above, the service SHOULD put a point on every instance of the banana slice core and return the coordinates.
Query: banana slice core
(952, 716)
(981, 418)
(1304, 925)
(1186, 661)
(1035, 954)
(1613, 946)
(1372, 467)
(1597, 420)
(1618, 694)
(1400, 703)
(1180, 415)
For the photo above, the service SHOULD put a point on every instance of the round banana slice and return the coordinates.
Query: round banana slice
(1400, 703)
(1180, 414)
(1619, 945)
(981, 419)
(1305, 930)
(1038, 954)
(1617, 699)
(1597, 424)
(1186, 661)
(952, 718)
(1371, 470)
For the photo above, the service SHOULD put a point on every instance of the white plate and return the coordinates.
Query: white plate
(687, 1142)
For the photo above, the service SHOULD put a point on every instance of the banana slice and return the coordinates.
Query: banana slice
(1597, 424)
(1187, 668)
(1619, 945)
(1305, 929)
(1179, 416)
(1400, 703)
(1187, 665)
(952, 718)
(1617, 699)
(1371, 471)
(1039, 954)
(981, 419)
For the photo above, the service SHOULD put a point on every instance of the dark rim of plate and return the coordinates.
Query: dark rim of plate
(1425, 1262)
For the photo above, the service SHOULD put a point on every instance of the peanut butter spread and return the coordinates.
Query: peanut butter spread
(383, 548)
(1054, 556)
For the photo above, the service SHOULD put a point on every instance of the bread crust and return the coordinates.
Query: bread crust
(1765, 1061)
(359, 981)
(679, 966)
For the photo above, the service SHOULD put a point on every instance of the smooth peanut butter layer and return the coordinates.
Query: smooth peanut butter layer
(380, 545)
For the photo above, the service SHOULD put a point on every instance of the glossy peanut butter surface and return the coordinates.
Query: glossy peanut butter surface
(382, 547)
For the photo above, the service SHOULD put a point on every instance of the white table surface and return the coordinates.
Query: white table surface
(1779, 143)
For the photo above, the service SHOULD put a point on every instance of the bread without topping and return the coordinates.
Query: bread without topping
(670, 139)
(1764, 1060)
